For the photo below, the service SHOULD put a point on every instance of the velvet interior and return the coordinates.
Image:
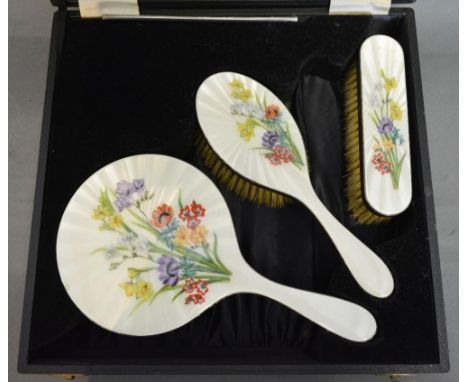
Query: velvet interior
(128, 87)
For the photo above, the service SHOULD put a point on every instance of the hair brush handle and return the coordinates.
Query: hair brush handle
(336, 315)
(367, 268)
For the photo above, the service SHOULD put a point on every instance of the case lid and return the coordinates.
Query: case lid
(149, 4)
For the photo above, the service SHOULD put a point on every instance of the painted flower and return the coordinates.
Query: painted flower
(272, 111)
(184, 213)
(385, 126)
(140, 289)
(167, 234)
(122, 202)
(395, 111)
(197, 209)
(100, 213)
(138, 185)
(239, 91)
(198, 235)
(390, 83)
(202, 287)
(124, 189)
(246, 130)
(115, 221)
(270, 138)
(128, 287)
(168, 269)
(193, 222)
(190, 285)
(381, 164)
(143, 289)
(133, 272)
(196, 298)
(162, 215)
(129, 238)
(247, 109)
(274, 159)
(182, 236)
(387, 144)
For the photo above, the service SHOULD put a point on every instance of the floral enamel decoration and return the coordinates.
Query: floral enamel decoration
(179, 250)
(384, 125)
(388, 155)
(147, 244)
(259, 116)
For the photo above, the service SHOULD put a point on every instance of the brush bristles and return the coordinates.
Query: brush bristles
(356, 204)
(234, 182)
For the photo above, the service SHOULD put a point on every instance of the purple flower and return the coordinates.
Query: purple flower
(168, 270)
(138, 185)
(269, 139)
(122, 202)
(385, 126)
(124, 188)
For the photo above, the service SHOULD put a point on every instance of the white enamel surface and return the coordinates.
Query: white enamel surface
(213, 105)
(383, 52)
(94, 288)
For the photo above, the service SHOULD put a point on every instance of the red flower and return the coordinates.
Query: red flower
(287, 156)
(197, 298)
(162, 215)
(184, 213)
(272, 111)
(202, 287)
(274, 159)
(190, 285)
(197, 209)
(380, 164)
(278, 150)
(195, 289)
(192, 222)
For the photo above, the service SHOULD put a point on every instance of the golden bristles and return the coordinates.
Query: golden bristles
(242, 187)
(356, 204)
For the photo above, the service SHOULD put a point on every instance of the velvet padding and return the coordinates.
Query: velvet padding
(128, 87)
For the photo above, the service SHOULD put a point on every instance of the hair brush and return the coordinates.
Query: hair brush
(376, 135)
(252, 132)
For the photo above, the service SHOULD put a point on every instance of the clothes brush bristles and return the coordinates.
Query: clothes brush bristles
(353, 188)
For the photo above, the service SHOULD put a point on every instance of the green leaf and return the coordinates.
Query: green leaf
(215, 254)
(105, 202)
(178, 294)
(165, 288)
(179, 199)
(97, 250)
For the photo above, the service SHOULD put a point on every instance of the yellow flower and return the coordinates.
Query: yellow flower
(182, 236)
(198, 234)
(387, 144)
(143, 289)
(129, 288)
(390, 83)
(100, 213)
(395, 111)
(239, 91)
(116, 221)
(133, 272)
(236, 85)
(246, 130)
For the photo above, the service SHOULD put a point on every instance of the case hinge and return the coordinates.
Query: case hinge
(360, 7)
(103, 8)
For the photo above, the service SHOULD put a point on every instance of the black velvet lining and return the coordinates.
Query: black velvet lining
(128, 87)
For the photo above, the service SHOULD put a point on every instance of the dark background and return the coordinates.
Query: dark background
(29, 34)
